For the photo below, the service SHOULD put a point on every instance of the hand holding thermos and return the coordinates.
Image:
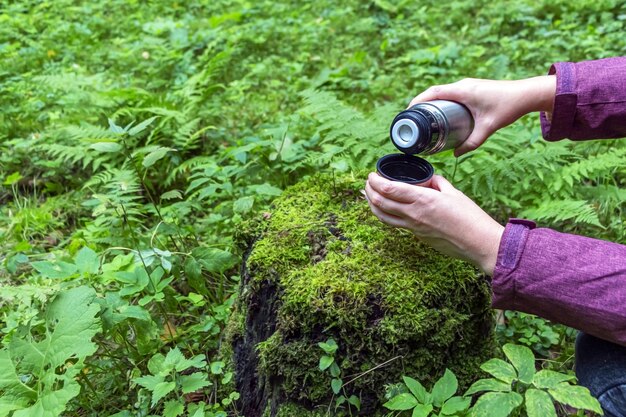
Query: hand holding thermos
(437, 212)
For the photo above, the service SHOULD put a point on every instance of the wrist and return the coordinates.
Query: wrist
(490, 245)
(539, 93)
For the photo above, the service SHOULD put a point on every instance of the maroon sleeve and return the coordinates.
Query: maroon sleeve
(569, 279)
(590, 101)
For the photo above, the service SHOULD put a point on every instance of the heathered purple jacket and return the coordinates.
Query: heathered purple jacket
(569, 279)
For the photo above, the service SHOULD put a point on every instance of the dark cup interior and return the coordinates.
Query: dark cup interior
(405, 168)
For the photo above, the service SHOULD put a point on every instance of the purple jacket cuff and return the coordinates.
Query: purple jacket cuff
(562, 120)
(569, 279)
(590, 100)
(510, 252)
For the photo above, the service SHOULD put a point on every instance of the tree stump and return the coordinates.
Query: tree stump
(320, 265)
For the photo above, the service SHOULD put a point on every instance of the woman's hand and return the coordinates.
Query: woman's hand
(441, 216)
(494, 104)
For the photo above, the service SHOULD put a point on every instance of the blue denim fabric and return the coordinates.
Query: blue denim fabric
(601, 367)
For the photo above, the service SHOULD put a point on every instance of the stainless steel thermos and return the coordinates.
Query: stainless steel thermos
(427, 128)
(431, 127)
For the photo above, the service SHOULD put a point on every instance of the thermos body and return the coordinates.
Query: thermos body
(431, 127)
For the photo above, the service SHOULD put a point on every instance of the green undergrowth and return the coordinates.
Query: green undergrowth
(378, 291)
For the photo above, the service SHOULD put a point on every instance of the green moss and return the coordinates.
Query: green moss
(377, 290)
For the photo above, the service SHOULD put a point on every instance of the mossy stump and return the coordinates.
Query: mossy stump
(320, 265)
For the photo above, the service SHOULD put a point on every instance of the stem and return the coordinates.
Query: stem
(456, 164)
(373, 369)
(145, 267)
(148, 193)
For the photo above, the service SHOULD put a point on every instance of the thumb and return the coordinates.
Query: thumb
(444, 92)
(441, 184)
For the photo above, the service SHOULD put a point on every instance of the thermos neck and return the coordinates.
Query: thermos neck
(431, 127)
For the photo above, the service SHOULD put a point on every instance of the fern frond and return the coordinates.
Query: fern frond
(578, 211)
(593, 166)
(359, 135)
(87, 132)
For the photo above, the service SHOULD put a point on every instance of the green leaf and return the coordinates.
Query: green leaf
(334, 370)
(194, 382)
(500, 369)
(243, 204)
(539, 404)
(217, 367)
(215, 260)
(115, 128)
(401, 402)
(124, 413)
(135, 281)
(141, 126)
(155, 155)
(43, 355)
(107, 147)
(197, 410)
(575, 396)
(193, 271)
(149, 382)
(161, 390)
(228, 376)
(454, 405)
(550, 379)
(416, 388)
(522, 359)
(266, 189)
(325, 362)
(336, 385)
(12, 179)
(496, 404)
(422, 410)
(173, 408)
(15, 394)
(355, 401)
(488, 384)
(87, 261)
(55, 270)
(444, 388)
(330, 346)
(174, 360)
(171, 195)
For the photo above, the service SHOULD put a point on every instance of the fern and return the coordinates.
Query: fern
(592, 166)
(116, 200)
(353, 133)
(72, 145)
(580, 211)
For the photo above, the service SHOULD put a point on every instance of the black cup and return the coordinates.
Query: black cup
(405, 168)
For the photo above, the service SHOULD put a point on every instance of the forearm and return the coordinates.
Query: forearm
(574, 280)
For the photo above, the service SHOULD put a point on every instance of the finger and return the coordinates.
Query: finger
(385, 204)
(445, 92)
(387, 218)
(478, 136)
(440, 183)
(395, 190)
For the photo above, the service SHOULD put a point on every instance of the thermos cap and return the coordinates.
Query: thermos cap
(410, 131)
(405, 133)
(405, 168)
